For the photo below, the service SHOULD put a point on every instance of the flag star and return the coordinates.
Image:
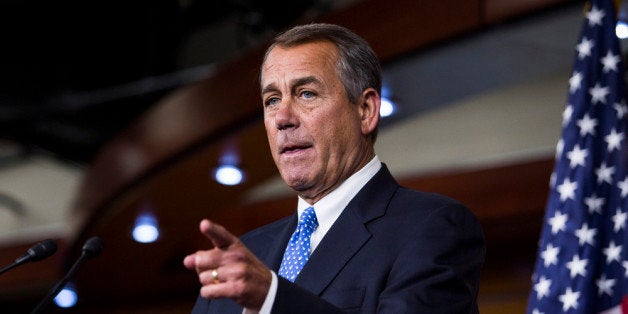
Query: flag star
(569, 299)
(594, 203)
(577, 266)
(619, 220)
(621, 109)
(614, 139)
(585, 235)
(598, 93)
(605, 286)
(587, 125)
(550, 255)
(584, 48)
(542, 287)
(575, 81)
(577, 156)
(567, 114)
(610, 61)
(560, 146)
(536, 311)
(623, 186)
(612, 252)
(624, 264)
(567, 189)
(558, 222)
(595, 16)
(604, 173)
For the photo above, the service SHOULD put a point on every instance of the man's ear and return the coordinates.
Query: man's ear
(369, 110)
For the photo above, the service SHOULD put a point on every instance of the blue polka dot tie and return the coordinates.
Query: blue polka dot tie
(298, 250)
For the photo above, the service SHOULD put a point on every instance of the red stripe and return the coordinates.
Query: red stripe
(624, 304)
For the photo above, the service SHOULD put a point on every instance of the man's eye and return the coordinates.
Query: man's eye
(307, 94)
(272, 101)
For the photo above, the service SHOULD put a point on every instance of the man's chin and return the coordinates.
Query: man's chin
(297, 183)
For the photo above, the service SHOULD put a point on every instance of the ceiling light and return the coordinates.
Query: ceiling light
(387, 107)
(229, 175)
(67, 297)
(621, 30)
(146, 229)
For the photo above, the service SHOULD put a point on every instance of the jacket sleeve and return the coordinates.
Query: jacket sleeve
(294, 299)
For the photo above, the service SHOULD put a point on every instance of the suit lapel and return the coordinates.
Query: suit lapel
(279, 242)
(348, 234)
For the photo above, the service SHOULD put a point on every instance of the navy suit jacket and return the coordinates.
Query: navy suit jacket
(392, 250)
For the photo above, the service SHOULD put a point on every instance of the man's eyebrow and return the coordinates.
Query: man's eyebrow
(304, 81)
(294, 84)
(269, 88)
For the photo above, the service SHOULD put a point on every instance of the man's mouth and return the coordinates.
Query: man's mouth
(294, 149)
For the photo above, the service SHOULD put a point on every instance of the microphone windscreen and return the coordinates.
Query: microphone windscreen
(93, 246)
(42, 250)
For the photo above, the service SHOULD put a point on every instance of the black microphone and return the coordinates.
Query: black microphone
(37, 252)
(92, 247)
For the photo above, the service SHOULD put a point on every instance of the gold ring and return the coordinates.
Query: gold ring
(215, 275)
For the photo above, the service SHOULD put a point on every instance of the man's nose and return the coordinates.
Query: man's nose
(286, 117)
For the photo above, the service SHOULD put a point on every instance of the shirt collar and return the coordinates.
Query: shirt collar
(331, 205)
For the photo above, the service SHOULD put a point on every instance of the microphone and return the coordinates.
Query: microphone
(92, 248)
(37, 252)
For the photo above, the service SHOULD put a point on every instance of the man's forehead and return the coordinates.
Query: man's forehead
(294, 65)
(313, 52)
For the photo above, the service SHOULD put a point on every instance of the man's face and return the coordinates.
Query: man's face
(315, 134)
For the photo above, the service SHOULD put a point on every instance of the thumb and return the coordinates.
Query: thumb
(220, 237)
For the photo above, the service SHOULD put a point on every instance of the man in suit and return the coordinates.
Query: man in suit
(365, 244)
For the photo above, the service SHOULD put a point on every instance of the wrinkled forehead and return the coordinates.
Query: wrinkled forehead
(309, 59)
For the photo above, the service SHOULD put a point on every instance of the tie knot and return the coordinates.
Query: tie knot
(308, 219)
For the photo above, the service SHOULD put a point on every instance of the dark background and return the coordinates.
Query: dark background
(74, 73)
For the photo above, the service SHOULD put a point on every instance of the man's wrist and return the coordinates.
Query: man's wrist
(267, 306)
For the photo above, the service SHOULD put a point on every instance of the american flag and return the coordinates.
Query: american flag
(582, 262)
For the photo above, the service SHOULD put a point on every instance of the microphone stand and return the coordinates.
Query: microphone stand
(91, 248)
(55, 290)
(7, 268)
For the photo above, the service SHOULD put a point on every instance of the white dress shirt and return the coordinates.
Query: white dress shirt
(327, 209)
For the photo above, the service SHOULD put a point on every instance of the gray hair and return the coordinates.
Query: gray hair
(357, 65)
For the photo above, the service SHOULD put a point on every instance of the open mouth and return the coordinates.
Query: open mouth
(294, 149)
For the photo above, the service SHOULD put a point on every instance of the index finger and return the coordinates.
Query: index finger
(220, 237)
